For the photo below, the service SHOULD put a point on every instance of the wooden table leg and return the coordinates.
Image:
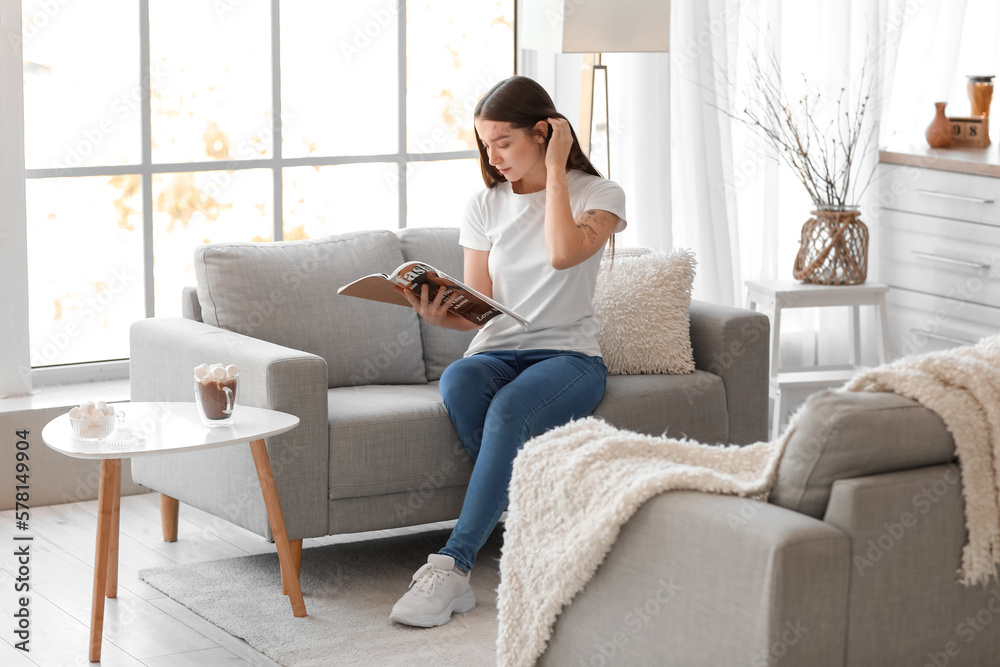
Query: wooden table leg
(296, 565)
(111, 589)
(110, 469)
(274, 515)
(169, 510)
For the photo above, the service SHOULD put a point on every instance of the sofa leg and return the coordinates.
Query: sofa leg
(296, 564)
(169, 509)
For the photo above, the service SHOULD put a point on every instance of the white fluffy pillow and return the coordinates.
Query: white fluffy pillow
(642, 302)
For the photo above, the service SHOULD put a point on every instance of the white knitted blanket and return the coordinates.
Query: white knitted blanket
(572, 490)
(574, 487)
(962, 385)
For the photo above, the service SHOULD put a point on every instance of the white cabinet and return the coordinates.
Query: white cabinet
(939, 252)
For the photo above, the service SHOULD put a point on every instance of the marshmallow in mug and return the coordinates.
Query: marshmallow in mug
(215, 371)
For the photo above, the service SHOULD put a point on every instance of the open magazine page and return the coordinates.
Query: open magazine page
(472, 305)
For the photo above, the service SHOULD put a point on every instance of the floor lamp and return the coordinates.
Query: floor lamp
(594, 27)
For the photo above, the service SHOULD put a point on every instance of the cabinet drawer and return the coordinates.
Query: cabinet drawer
(939, 256)
(942, 193)
(921, 323)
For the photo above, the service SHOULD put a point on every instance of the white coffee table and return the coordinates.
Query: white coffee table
(169, 428)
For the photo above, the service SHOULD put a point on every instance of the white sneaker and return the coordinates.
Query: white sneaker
(436, 592)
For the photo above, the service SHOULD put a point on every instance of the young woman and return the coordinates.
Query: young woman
(533, 241)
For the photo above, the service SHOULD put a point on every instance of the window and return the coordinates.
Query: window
(153, 126)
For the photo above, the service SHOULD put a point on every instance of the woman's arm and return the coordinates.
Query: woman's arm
(477, 276)
(569, 241)
(477, 271)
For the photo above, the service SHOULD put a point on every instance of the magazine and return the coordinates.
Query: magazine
(471, 305)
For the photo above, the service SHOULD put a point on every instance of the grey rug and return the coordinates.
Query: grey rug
(349, 590)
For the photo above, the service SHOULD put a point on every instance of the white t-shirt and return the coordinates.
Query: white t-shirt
(559, 304)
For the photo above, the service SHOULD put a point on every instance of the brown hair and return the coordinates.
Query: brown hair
(522, 102)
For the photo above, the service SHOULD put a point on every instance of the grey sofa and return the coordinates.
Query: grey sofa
(853, 562)
(375, 448)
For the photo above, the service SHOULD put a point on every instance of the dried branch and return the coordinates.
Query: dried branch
(824, 158)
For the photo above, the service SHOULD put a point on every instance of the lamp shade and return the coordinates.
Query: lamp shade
(594, 26)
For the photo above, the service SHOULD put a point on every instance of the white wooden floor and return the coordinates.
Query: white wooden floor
(142, 626)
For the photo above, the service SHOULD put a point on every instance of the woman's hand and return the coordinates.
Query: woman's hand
(559, 146)
(436, 312)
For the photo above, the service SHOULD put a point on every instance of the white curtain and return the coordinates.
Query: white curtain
(703, 38)
(719, 193)
(639, 131)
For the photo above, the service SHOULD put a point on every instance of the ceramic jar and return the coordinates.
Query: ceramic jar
(939, 131)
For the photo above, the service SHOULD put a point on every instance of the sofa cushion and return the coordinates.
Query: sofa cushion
(393, 439)
(842, 435)
(399, 439)
(286, 293)
(438, 246)
(696, 404)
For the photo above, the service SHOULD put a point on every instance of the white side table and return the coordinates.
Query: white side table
(168, 428)
(772, 296)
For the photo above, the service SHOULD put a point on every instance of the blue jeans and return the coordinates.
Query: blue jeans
(498, 401)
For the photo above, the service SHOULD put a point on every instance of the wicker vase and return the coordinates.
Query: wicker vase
(833, 249)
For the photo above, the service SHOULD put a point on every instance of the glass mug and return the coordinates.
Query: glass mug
(216, 399)
(980, 94)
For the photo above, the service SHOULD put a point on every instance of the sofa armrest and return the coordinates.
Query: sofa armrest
(732, 343)
(190, 306)
(908, 535)
(704, 579)
(223, 481)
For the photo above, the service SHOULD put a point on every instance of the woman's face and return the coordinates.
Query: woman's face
(518, 154)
